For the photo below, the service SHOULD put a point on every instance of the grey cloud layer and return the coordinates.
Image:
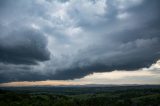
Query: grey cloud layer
(82, 37)
(23, 47)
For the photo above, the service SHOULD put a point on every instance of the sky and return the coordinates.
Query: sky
(78, 42)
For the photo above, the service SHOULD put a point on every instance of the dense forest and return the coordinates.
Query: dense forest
(89, 96)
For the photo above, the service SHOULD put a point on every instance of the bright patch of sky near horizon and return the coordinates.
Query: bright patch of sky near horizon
(115, 77)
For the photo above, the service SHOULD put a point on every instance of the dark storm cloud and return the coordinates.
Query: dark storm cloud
(83, 37)
(19, 42)
(23, 47)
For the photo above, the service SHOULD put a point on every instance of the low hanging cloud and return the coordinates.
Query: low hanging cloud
(70, 39)
(23, 47)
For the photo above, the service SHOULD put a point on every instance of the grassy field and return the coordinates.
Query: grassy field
(81, 96)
